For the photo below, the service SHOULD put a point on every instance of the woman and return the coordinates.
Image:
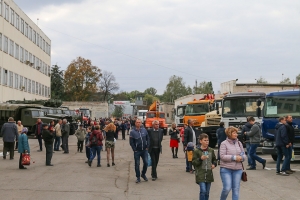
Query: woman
(23, 146)
(110, 130)
(95, 145)
(182, 136)
(221, 135)
(173, 132)
(232, 155)
(51, 127)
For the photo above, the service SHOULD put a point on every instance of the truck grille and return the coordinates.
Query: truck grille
(213, 121)
(237, 124)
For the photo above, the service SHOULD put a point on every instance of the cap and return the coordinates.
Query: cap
(24, 130)
(45, 125)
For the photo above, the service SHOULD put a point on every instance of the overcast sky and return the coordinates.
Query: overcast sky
(145, 42)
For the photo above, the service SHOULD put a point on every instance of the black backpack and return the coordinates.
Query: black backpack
(94, 141)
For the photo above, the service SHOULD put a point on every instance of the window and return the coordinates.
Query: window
(0, 68)
(37, 39)
(17, 52)
(30, 33)
(4, 77)
(11, 79)
(11, 48)
(5, 49)
(33, 61)
(49, 71)
(16, 81)
(6, 15)
(17, 24)
(46, 91)
(36, 62)
(36, 88)
(21, 54)
(0, 36)
(40, 89)
(43, 45)
(41, 42)
(30, 57)
(33, 36)
(25, 84)
(0, 7)
(29, 86)
(33, 87)
(12, 16)
(43, 90)
(22, 26)
(26, 29)
(26, 56)
(40, 65)
(21, 83)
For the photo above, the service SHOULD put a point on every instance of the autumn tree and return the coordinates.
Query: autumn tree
(81, 79)
(261, 80)
(175, 88)
(286, 81)
(152, 91)
(107, 84)
(57, 83)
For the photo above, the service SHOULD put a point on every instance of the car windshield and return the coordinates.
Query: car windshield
(278, 106)
(197, 109)
(181, 111)
(240, 107)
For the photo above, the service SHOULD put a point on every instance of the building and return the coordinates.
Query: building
(25, 56)
(234, 87)
(168, 109)
(127, 107)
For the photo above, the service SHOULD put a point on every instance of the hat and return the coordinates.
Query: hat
(45, 125)
(24, 130)
(190, 144)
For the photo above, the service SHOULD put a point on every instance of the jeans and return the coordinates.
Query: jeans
(94, 150)
(290, 150)
(248, 153)
(49, 153)
(87, 152)
(231, 180)
(56, 143)
(280, 152)
(39, 137)
(8, 146)
(137, 155)
(254, 157)
(79, 146)
(123, 134)
(204, 190)
(155, 158)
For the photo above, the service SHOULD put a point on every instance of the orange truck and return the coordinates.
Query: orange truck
(154, 114)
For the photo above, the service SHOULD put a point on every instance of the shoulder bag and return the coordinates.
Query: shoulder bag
(244, 174)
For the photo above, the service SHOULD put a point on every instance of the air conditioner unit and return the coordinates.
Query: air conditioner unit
(38, 67)
(27, 62)
(31, 64)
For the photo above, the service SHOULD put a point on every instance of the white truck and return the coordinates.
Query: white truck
(141, 114)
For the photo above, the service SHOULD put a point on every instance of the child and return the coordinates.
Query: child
(23, 146)
(87, 143)
(48, 141)
(204, 161)
(190, 150)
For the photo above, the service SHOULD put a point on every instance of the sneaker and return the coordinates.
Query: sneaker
(144, 177)
(138, 180)
(39, 150)
(108, 165)
(278, 173)
(284, 174)
(288, 172)
(90, 163)
(99, 165)
(251, 168)
(264, 164)
(291, 170)
(113, 164)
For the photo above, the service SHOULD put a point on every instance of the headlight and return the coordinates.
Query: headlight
(268, 144)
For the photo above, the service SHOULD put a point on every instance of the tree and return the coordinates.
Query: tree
(204, 88)
(298, 79)
(57, 83)
(175, 89)
(81, 79)
(150, 99)
(286, 81)
(118, 112)
(261, 80)
(108, 84)
(151, 91)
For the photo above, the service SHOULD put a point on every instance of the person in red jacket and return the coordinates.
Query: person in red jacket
(96, 145)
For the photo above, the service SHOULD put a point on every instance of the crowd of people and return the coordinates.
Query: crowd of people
(200, 158)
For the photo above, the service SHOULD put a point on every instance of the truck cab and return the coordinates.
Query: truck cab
(179, 114)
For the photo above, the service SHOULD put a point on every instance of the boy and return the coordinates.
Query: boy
(87, 144)
(204, 161)
(190, 152)
(48, 140)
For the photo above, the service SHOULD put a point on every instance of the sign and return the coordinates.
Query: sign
(119, 103)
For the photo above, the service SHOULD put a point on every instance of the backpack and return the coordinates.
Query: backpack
(94, 141)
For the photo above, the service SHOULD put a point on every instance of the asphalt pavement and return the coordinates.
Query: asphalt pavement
(71, 178)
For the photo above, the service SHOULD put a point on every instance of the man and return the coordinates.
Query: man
(57, 135)
(246, 128)
(291, 136)
(139, 142)
(254, 136)
(282, 146)
(80, 134)
(48, 141)
(156, 136)
(9, 132)
(38, 133)
(20, 128)
(65, 131)
(189, 136)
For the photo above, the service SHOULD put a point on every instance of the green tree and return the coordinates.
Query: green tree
(151, 90)
(108, 84)
(204, 88)
(150, 99)
(121, 96)
(119, 111)
(298, 79)
(57, 83)
(81, 79)
(286, 81)
(261, 80)
(175, 88)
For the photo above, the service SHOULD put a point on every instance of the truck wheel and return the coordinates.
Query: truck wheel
(274, 157)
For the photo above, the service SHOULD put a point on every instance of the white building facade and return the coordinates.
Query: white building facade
(25, 56)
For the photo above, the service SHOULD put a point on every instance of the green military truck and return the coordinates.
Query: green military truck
(27, 113)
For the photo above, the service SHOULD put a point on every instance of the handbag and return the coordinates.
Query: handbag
(25, 159)
(244, 174)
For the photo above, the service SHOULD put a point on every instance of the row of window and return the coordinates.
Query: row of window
(16, 81)
(23, 55)
(11, 16)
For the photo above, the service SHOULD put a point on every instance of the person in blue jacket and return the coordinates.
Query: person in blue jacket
(23, 146)
(140, 142)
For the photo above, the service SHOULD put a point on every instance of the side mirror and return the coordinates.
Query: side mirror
(258, 112)
(258, 102)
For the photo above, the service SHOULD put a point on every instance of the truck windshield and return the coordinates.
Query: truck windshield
(85, 112)
(240, 107)
(72, 112)
(197, 109)
(58, 111)
(141, 114)
(67, 112)
(278, 106)
(37, 113)
(180, 111)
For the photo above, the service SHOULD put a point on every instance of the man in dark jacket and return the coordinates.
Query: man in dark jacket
(282, 146)
(140, 142)
(48, 140)
(291, 135)
(189, 136)
(65, 131)
(9, 132)
(221, 135)
(156, 136)
(246, 128)
(38, 133)
(254, 136)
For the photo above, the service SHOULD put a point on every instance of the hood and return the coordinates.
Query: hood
(278, 125)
